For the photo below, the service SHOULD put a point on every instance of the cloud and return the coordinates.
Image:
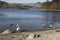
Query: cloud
(24, 1)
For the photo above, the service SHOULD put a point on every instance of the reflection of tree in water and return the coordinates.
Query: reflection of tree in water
(55, 17)
(2, 14)
(47, 17)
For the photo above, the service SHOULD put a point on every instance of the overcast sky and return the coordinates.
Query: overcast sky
(24, 1)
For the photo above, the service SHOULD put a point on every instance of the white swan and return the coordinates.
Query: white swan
(18, 28)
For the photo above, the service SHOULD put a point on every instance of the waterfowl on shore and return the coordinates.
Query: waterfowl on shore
(45, 25)
(18, 28)
(11, 24)
(51, 26)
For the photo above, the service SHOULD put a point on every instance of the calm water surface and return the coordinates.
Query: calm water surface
(27, 19)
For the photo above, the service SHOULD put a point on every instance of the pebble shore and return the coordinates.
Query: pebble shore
(44, 35)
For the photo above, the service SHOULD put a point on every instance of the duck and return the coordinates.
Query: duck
(51, 26)
(44, 25)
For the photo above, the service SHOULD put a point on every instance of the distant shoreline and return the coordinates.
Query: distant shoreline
(50, 10)
(38, 9)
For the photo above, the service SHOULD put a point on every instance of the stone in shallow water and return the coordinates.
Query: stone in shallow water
(7, 32)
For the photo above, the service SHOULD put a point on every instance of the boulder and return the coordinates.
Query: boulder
(31, 36)
(7, 32)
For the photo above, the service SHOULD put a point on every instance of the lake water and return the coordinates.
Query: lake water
(30, 20)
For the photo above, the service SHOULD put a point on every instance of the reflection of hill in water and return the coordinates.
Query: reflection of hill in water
(56, 17)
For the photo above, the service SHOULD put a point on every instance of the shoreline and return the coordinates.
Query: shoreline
(44, 10)
(50, 10)
(44, 35)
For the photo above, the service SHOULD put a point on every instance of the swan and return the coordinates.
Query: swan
(18, 28)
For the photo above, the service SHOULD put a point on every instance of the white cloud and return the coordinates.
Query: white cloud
(24, 1)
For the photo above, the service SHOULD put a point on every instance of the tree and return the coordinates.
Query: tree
(58, 3)
(2, 2)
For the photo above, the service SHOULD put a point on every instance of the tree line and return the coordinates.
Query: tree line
(13, 5)
(53, 5)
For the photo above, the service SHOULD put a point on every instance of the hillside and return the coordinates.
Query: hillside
(52, 6)
(5, 5)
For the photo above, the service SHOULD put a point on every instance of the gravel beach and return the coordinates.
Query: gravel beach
(43, 35)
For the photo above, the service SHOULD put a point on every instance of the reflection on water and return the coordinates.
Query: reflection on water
(29, 19)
